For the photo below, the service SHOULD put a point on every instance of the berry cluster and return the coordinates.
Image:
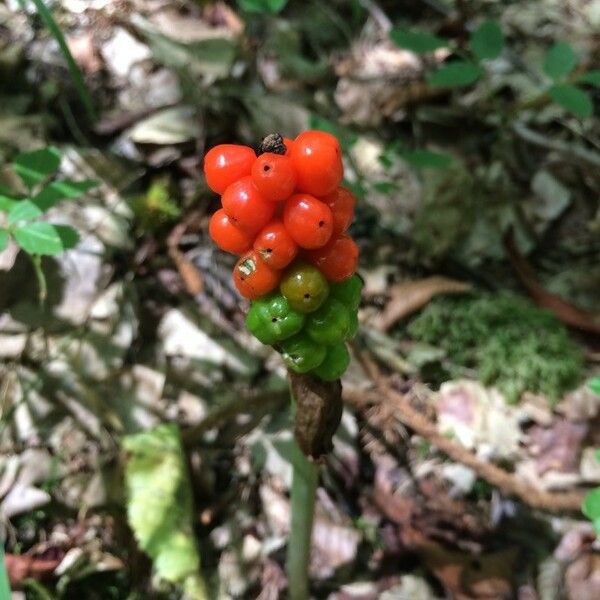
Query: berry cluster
(286, 216)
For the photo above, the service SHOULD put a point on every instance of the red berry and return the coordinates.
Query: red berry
(275, 245)
(253, 278)
(226, 235)
(246, 207)
(308, 220)
(288, 143)
(225, 164)
(274, 176)
(337, 260)
(317, 159)
(341, 202)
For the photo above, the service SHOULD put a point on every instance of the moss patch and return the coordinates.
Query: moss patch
(508, 341)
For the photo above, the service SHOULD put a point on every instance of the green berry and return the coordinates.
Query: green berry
(348, 292)
(301, 354)
(335, 363)
(272, 320)
(329, 324)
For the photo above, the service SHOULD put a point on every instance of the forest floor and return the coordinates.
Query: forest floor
(472, 405)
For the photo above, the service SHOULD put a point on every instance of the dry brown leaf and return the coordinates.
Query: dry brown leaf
(582, 578)
(557, 448)
(85, 52)
(410, 296)
(465, 576)
(23, 566)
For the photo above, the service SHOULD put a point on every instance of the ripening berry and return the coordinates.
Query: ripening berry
(317, 160)
(275, 245)
(308, 220)
(342, 203)
(225, 164)
(253, 278)
(304, 287)
(337, 260)
(246, 207)
(227, 236)
(274, 176)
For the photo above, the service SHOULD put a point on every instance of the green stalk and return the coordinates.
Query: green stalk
(4, 585)
(41, 278)
(74, 70)
(304, 487)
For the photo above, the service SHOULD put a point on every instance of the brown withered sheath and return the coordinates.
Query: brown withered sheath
(318, 413)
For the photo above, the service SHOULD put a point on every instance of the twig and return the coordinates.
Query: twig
(241, 404)
(505, 481)
(573, 150)
(377, 14)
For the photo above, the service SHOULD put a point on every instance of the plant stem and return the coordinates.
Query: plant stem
(41, 279)
(304, 487)
(4, 585)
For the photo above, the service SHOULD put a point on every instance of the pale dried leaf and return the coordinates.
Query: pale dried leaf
(408, 297)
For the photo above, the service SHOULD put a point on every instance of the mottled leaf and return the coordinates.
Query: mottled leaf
(419, 42)
(34, 167)
(573, 99)
(271, 7)
(560, 60)
(455, 74)
(487, 41)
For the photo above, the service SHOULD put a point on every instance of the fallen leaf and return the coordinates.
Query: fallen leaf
(23, 566)
(557, 448)
(582, 578)
(85, 52)
(169, 126)
(410, 296)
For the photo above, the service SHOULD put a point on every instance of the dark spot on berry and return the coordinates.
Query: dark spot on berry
(268, 250)
(274, 320)
(307, 296)
(266, 168)
(321, 223)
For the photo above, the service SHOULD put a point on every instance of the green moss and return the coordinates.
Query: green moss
(508, 341)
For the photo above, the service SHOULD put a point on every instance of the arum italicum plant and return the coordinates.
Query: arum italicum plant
(285, 214)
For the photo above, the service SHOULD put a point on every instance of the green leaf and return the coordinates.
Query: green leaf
(271, 7)
(39, 238)
(591, 507)
(560, 60)
(487, 41)
(426, 158)
(455, 74)
(591, 78)
(24, 210)
(34, 167)
(420, 42)
(3, 239)
(159, 506)
(69, 237)
(6, 203)
(572, 99)
(61, 190)
(594, 385)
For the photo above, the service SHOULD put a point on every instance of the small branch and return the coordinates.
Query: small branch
(508, 482)
(573, 150)
(241, 404)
